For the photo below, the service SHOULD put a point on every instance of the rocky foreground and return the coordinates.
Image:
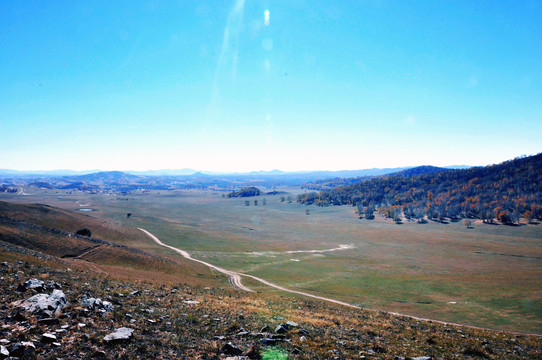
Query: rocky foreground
(55, 312)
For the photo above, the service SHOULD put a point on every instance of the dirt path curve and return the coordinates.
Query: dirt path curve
(233, 277)
(235, 280)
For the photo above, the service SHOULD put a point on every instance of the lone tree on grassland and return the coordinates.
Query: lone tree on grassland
(84, 232)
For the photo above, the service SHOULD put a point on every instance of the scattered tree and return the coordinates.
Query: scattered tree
(84, 232)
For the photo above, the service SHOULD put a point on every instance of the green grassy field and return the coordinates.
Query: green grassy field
(488, 276)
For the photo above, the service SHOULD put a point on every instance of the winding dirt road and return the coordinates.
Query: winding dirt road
(235, 281)
(235, 277)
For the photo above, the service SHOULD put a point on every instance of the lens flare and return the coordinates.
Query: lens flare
(266, 17)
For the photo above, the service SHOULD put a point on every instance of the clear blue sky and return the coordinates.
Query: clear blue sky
(209, 85)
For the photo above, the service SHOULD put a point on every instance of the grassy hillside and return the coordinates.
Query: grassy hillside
(185, 322)
(51, 231)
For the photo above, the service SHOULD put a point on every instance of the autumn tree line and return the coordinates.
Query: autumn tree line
(504, 192)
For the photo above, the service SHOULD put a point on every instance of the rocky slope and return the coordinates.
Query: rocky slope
(50, 311)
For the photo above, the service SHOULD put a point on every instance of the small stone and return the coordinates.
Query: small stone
(48, 338)
(53, 285)
(292, 324)
(302, 339)
(230, 349)
(48, 321)
(242, 332)
(135, 293)
(119, 335)
(100, 354)
(34, 284)
(295, 351)
(4, 353)
(23, 349)
(57, 344)
(422, 358)
(281, 329)
(191, 302)
(265, 329)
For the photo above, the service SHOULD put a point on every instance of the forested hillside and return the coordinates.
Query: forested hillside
(505, 192)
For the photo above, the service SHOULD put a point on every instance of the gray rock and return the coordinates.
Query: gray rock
(230, 349)
(48, 321)
(422, 358)
(23, 349)
(48, 338)
(242, 332)
(46, 304)
(281, 329)
(119, 335)
(292, 324)
(4, 353)
(97, 304)
(265, 329)
(31, 284)
(53, 285)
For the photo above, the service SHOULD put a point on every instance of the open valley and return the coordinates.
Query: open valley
(487, 276)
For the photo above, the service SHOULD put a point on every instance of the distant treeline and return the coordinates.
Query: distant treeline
(8, 189)
(505, 192)
(245, 192)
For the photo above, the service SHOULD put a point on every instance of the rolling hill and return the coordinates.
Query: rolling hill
(168, 313)
(507, 192)
(52, 231)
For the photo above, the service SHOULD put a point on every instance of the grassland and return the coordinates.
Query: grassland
(488, 276)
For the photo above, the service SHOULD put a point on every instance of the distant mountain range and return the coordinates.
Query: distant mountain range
(127, 181)
(187, 172)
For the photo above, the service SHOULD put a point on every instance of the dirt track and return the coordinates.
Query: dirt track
(235, 277)
(235, 280)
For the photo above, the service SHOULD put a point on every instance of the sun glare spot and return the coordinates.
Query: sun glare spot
(266, 17)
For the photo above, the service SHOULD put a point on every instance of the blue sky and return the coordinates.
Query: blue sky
(208, 85)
